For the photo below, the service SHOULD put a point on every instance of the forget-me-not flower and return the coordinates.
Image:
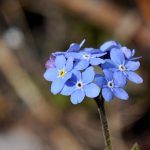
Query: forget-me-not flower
(59, 74)
(124, 67)
(111, 86)
(80, 85)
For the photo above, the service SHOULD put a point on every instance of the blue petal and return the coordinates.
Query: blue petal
(67, 76)
(69, 64)
(51, 74)
(57, 86)
(77, 96)
(108, 64)
(98, 54)
(60, 61)
(135, 58)
(120, 79)
(58, 53)
(132, 76)
(77, 74)
(127, 52)
(132, 65)
(89, 49)
(88, 75)
(96, 61)
(72, 81)
(76, 55)
(108, 45)
(117, 56)
(81, 44)
(100, 80)
(71, 54)
(74, 47)
(108, 74)
(91, 90)
(107, 94)
(120, 93)
(133, 52)
(68, 90)
(81, 65)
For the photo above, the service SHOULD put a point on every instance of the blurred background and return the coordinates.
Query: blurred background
(31, 118)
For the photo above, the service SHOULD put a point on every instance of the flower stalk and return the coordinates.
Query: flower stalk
(105, 129)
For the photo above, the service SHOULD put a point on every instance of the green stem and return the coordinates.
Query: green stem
(100, 103)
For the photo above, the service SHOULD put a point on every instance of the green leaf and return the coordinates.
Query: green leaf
(135, 147)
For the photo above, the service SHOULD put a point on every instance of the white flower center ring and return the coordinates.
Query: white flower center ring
(79, 85)
(110, 84)
(86, 56)
(122, 68)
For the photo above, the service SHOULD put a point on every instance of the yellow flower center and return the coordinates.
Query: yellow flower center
(62, 73)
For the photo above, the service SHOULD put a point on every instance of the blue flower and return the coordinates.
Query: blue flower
(59, 74)
(80, 85)
(125, 67)
(84, 59)
(122, 67)
(111, 86)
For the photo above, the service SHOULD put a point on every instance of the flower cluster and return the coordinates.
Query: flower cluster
(72, 73)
